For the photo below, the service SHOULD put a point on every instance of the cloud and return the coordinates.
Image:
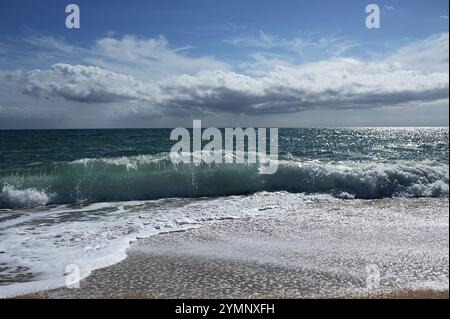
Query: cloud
(84, 84)
(332, 44)
(389, 7)
(50, 43)
(141, 57)
(334, 84)
(148, 57)
(414, 74)
(430, 54)
(337, 83)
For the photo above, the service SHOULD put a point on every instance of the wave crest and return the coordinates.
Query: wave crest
(149, 177)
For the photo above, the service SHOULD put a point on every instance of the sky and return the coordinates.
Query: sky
(268, 63)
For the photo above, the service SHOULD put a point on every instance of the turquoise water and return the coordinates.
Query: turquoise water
(39, 168)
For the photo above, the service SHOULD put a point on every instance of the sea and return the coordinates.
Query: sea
(79, 198)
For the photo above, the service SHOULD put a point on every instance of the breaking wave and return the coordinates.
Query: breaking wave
(148, 177)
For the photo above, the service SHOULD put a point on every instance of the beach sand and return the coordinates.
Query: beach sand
(295, 255)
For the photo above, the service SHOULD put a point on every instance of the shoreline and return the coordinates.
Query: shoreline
(287, 256)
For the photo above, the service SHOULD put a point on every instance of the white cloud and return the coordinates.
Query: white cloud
(143, 58)
(85, 84)
(148, 57)
(332, 44)
(430, 54)
(50, 43)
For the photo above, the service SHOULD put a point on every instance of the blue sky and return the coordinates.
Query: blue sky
(163, 63)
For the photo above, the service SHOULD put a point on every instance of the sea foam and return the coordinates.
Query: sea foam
(13, 197)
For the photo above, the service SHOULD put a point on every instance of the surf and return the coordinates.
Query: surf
(150, 177)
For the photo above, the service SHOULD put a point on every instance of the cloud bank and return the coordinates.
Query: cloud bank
(125, 68)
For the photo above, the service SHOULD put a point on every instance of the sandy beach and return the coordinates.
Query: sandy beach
(296, 255)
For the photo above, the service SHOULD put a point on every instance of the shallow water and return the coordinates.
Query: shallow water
(320, 247)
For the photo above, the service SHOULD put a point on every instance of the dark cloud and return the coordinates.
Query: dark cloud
(335, 84)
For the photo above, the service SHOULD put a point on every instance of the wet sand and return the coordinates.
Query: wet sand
(295, 255)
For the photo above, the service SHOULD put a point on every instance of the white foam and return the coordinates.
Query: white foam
(98, 235)
(28, 197)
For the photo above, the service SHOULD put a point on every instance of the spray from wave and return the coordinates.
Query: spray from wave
(148, 177)
(23, 198)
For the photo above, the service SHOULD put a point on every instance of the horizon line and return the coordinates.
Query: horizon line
(222, 127)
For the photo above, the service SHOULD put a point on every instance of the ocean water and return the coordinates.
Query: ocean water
(81, 196)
